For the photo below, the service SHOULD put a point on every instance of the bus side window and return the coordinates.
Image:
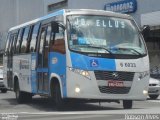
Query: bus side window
(24, 40)
(13, 38)
(46, 46)
(15, 42)
(29, 39)
(10, 44)
(18, 41)
(41, 45)
(7, 44)
(59, 44)
(34, 36)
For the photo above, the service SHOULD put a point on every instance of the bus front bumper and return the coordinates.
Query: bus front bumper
(83, 88)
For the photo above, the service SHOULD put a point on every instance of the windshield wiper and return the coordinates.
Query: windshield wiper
(99, 47)
(131, 49)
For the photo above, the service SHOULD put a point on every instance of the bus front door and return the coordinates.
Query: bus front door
(42, 66)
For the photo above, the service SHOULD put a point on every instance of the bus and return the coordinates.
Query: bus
(78, 54)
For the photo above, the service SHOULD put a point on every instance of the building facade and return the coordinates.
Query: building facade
(14, 12)
(146, 12)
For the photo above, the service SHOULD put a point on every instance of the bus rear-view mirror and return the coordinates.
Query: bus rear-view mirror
(55, 27)
(145, 31)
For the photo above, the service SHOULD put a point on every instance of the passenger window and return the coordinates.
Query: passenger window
(46, 46)
(41, 46)
(7, 44)
(10, 44)
(15, 42)
(19, 41)
(12, 40)
(24, 40)
(34, 38)
(48, 36)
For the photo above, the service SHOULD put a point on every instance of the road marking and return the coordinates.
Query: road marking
(62, 117)
(157, 101)
(66, 113)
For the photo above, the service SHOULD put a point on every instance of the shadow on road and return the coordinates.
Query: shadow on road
(48, 105)
(45, 104)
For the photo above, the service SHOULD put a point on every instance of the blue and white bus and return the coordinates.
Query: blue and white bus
(90, 55)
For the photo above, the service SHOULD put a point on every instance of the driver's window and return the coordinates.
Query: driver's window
(59, 42)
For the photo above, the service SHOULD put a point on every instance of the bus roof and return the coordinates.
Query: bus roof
(38, 19)
(73, 11)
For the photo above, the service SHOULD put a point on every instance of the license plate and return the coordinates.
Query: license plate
(115, 83)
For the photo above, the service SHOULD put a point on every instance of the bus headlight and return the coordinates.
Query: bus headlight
(81, 72)
(77, 89)
(145, 92)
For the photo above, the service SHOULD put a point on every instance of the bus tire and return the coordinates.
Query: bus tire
(58, 98)
(22, 97)
(127, 104)
(18, 93)
(28, 97)
(4, 90)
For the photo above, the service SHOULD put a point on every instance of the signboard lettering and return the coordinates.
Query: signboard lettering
(124, 6)
(104, 23)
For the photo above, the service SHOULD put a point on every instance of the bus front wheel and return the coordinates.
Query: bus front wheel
(127, 104)
(58, 98)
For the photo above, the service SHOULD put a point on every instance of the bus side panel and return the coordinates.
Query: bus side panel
(22, 69)
(57, 65)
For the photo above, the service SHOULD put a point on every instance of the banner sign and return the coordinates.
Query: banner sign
(124, 6)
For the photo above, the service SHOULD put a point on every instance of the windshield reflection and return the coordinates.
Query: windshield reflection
(99, 34)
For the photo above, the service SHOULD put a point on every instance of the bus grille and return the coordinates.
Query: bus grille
(107, 75)
(109, 90)
(110, 75)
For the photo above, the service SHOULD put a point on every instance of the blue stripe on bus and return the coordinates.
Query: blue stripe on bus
(92, 63)
(57, 65)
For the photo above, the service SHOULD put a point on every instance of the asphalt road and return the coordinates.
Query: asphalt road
(42, 109)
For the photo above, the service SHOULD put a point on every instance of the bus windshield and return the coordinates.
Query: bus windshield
(103, 34)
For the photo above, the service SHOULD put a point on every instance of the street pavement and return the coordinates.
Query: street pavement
(41, 108)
